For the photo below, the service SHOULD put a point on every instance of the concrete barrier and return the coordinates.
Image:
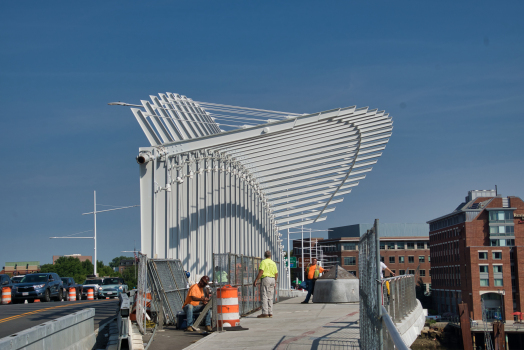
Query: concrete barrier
(72, 332)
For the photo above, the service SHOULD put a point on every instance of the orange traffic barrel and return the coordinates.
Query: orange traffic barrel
(227, 307)
(6, 295)
(90, 294)
(36, 301)
(72, 294)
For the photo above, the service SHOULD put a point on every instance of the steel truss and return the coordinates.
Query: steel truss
(206, 191)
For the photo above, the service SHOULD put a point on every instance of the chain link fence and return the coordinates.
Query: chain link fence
(369, 287)
(240, 271)
(141, 295)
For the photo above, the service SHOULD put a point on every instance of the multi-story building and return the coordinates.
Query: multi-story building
(477, 255)
(403, 248)
(20, 268)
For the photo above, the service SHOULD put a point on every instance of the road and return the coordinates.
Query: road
(18, 317)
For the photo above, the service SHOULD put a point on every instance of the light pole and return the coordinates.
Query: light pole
(94, 212)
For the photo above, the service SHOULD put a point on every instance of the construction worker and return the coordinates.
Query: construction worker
(267, 270)
(313, 271)
(195, 302)
(220, 275)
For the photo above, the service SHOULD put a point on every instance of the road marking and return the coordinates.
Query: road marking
(46, 309)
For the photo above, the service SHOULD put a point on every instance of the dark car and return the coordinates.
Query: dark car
(17, 279)
(69, 282)
(5, 281)
(43, 286)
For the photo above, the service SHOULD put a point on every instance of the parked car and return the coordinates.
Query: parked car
(5, 281)
(17, 279)
(69, 282)
(92, 283)
(112, 287)
(43, 286)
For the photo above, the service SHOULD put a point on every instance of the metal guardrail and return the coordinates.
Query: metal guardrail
(391, 336)
(398, 296)
(123, 318)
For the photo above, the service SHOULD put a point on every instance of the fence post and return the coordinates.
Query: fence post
(379, 287)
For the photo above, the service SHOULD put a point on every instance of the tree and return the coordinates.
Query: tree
(104, 270)
(72, 267)
(129, 276)
(116, 261)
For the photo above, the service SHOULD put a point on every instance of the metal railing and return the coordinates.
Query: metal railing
(398, 296)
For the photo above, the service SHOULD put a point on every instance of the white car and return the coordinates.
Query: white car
(93, 283)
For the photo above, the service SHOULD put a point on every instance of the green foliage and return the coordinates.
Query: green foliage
(116, 261)
(104, 270)
(431, 321)
(129, 276)
(72, 267)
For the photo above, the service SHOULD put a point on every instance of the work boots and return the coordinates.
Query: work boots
(190, 329)
(209, 329)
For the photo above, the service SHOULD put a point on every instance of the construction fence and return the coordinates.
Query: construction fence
(163, 286)
(240, 271)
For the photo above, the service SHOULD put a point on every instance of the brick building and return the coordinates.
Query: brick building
(477, 254)
(403, 248)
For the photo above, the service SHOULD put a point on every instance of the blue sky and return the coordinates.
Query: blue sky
(450, 74)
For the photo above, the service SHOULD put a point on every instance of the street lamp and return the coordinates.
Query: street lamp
(94, 237)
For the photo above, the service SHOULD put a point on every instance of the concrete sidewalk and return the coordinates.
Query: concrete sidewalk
(293, 326)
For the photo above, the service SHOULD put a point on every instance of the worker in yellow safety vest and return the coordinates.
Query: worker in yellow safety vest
(313, 271)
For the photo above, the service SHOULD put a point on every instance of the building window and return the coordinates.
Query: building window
(411, 259)
(501, 229)
(510, 242)
(483, 268)
(421, 258)
(411, 245)
(391, 245)
(499, 282)
(391, 259)
(382, 245)
(497, 269)
(353, 272)
(400, 259)
(483, 255)
(500, 215)
(349, 246)
(484, 282)
(400, 245)
(401, 272)
(429, 258)
(422, 273)
(497, 255)
(350, 260)
(394, 271)
(381, 259)
(411, 272)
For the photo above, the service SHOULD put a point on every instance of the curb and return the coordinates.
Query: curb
(201, 341)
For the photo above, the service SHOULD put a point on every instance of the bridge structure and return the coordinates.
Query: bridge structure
(205, 190)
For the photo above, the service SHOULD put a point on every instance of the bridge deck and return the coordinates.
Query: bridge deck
(293, 326)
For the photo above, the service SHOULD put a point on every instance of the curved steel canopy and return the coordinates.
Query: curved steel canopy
(297, 167)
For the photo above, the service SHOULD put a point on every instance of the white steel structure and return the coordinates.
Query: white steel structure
(204, 190)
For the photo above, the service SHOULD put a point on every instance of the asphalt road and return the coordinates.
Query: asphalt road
(18, 317)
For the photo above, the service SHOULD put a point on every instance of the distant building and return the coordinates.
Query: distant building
(477, 254)
(82, 258)
(20, 268)
(125, 264)
(403, 248)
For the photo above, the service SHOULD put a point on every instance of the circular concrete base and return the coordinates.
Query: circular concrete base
(336, 291)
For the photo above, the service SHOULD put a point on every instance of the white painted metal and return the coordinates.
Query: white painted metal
(206, 191)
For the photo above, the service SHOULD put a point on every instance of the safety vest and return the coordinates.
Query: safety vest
(315, 274)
